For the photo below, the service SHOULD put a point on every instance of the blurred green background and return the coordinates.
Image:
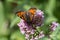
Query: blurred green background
(8, 19)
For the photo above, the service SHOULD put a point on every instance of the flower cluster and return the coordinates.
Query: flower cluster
(30, 31)
(53, 26)
(38, 18)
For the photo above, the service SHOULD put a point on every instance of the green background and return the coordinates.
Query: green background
(8, 19)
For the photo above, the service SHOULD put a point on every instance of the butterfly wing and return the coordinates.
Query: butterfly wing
(32, 11)
(21, 14)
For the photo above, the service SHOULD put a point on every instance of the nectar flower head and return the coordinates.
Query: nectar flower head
(25, 28)
(22, 26)
(38, 18)
(41, 34)
(30, 28)
(53, 26)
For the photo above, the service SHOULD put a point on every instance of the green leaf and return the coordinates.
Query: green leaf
(14, 21)
(17, 36)
(3, 22)
(3, 38)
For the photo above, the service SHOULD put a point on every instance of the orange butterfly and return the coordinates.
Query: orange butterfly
(27, 16)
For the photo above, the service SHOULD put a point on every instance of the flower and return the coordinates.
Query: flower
(22, 26)
(26, 29)
(53, 26)
(30, 30)
(27, 36)
(41, 34)
(38, 18)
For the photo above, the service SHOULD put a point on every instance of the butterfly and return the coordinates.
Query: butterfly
(27, 15)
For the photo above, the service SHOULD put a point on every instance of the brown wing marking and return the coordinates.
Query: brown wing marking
(21, 14)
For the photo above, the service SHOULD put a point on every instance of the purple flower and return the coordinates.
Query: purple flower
(22, 26)
(41, 34)
(26, 29)
(30, 30)
(38, 18)
(27, 36)
(53, 26)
